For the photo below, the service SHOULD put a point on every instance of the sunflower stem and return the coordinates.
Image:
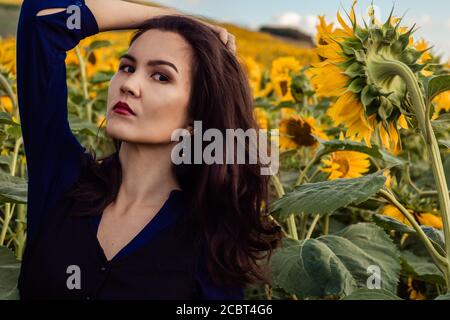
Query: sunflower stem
(383, 69)
(312, 227)
(439, 260)
(84, 83)
(303, 173)
(292, 226)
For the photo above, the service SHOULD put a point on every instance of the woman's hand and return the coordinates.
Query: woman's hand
(227, 38)
(110, 16)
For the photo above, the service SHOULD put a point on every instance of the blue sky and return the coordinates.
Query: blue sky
(433, 16)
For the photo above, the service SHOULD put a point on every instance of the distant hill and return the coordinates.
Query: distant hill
(289, 34)
(9, 14)
(263, 46)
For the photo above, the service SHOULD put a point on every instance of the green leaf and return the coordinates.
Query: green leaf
(336, 265)
(442, 123)
(15, 131)
(329, 146)
(371, 294)
(12, 189)
(445, 143)
(388, 224)
(421, 267)
(327, 196)
(9, 274)
(357, 85)
(4, 159)
(447, 170)
(99, 44)
(80, 126)
(354, 70)
(437, 85)
(443, 297)
(101, 76)
(5, 118)
(391, 224)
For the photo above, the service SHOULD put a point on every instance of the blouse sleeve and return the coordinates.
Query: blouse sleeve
(53, 153)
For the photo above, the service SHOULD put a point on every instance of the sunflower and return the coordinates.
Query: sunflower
(254, 73)
(6, 104)
(299, 131)
(391, 211)
(424, 218)
(262, 118)
(281, 76)
(414, 293)
(429, 219)
(8, 55)
(442, 104)
(368, 100)
(346, 164)
(101, 121)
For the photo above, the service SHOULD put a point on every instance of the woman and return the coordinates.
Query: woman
(134, 225)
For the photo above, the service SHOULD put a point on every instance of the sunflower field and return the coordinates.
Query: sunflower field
(363, 126)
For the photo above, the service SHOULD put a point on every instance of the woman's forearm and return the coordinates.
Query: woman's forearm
(121, 14)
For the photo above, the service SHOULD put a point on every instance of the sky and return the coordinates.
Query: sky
(432, 16)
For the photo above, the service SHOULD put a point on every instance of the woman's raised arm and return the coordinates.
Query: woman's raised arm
(53, 153)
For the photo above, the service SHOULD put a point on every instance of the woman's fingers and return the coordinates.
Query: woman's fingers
(227, 38)
(231, 44)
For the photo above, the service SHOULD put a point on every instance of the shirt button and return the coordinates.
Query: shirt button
(103, 269)
(88, 298)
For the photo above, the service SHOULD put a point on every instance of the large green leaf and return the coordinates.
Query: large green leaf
(336, 265)
(327, 196)
(9, 273)
(371, 294)
(416, 259)
(12, 189)
(421, 267)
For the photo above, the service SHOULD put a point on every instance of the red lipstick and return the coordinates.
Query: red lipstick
(123, 108)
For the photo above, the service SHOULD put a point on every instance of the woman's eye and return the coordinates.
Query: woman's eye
(124, 68)
(163, 77)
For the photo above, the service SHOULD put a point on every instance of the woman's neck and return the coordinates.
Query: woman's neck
(147, 174)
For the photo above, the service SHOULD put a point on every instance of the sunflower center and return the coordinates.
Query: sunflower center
(284, 87)
(344, 166)
(300, 132)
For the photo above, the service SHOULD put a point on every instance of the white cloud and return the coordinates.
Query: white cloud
(293, 19)
(289, 19)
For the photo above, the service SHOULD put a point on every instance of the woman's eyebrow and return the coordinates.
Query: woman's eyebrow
(150, 62)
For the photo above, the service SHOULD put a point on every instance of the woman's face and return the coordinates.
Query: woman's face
(154, 79)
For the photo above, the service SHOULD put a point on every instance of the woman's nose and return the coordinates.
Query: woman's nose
(131, 87)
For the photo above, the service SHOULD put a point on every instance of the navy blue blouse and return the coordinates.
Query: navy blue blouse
(53, 152)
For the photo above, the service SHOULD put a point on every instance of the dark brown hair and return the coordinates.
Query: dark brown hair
(229, 201)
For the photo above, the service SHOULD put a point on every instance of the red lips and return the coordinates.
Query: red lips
(123, 108)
